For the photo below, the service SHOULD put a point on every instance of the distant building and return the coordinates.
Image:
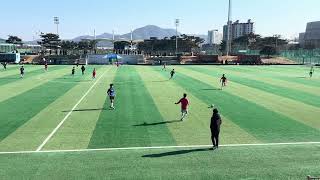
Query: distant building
(311, 38)
(238, 29)
(214, 37)
(211, 37)
(301, 38)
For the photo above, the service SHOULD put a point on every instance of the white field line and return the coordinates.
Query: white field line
(161, 147)
(67, 116)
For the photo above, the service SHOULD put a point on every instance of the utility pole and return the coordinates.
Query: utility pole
(177, 22)
(131, 41)
(113, 39)
(229, 30)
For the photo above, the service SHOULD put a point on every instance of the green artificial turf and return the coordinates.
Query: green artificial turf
(274, 162)
(255, 106)
(259, 121)
(263, 85)
(134, 121)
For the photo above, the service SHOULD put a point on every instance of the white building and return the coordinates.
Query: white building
(214, 37)
(238, 29)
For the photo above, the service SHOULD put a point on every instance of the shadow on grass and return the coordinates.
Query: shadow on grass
(157, 123)
(175, 153)
(160, 81)
(7, 78)
(85, 110)
(213, 89)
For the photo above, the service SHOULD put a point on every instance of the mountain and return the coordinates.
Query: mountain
(138, 34)
(150, 31)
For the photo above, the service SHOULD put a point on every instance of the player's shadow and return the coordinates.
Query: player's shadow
(160, 81)
(7, 78)
(157, 123)
(212, 89)
(86, 110)
(175, 153)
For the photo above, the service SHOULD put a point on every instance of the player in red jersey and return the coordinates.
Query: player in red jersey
(184, 106)
(94, 73)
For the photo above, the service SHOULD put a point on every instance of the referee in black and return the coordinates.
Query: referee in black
(215, 128)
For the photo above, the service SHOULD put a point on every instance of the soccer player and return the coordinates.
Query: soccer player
(223, 81)
(112, 94)
(83, 69)
(172, 73)
(94, 73)
(73, 71)
(164, 67)
(215, 128)
(21, 71)
(46, 66)
(311, 72)
(4, 64)
(184, 106)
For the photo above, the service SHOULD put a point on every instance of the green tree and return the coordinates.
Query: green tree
(120, 45)
(268, 50)
(223, 46)
(68, 46)
(50, 41)
(14, 40)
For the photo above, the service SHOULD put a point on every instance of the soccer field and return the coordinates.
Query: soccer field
(55, 126)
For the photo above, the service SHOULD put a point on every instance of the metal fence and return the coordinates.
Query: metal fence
(302, 56)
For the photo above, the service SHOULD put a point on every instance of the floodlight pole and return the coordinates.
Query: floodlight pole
(56, 22)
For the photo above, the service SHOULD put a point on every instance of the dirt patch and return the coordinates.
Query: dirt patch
(229, 58)
(277, 60)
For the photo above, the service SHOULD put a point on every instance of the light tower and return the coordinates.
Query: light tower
(56, 22)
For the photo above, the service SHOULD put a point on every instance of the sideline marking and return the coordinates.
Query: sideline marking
(160, 147)
(67, 116)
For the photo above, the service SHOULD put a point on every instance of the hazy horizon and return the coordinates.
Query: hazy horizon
(77, 18)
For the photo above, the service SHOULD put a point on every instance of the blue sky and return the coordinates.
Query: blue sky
(81, 17)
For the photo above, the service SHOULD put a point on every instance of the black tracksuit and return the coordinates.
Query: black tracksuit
(215, 128)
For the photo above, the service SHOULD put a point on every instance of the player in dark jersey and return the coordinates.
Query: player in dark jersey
(112, 95)
(311, 72)
(215, 128)
(83, 69)
(223, 81)
(4, 64)
(73, 71)
(172, 73)
(21, 71)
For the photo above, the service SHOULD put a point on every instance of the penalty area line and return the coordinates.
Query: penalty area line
(160, 147)
(67, 116)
